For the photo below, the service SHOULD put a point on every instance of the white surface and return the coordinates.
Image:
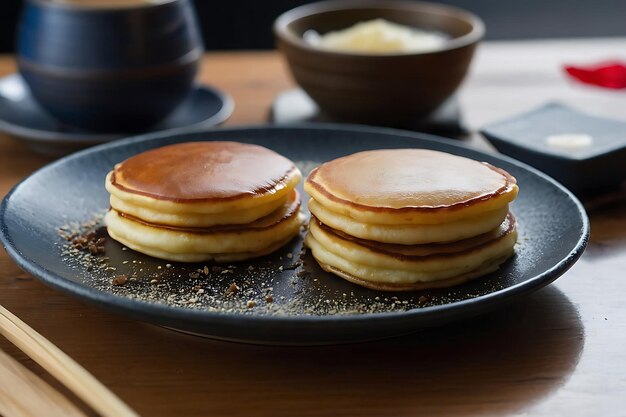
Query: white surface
(528, 74)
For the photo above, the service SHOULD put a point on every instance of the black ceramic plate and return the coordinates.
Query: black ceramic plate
(307, 306)
(22, 118)
(586, 170)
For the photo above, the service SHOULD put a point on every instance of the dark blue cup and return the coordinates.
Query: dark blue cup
(105, 68)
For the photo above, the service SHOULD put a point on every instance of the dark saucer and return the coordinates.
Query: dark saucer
(22, 118)
(295, 106)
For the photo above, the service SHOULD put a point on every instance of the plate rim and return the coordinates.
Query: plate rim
(140, 309)
(28, 134)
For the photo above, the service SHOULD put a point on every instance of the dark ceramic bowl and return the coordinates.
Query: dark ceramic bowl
(391, 89)
(109, 69)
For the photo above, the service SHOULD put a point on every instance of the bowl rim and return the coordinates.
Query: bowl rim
(282, 22)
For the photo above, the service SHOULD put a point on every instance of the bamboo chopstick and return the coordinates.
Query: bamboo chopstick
(62, 367)
(24, 394)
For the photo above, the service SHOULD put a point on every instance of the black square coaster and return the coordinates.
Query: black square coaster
(586, 153)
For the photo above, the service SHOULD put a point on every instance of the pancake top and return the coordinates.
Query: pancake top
(408, 178)
(204, 171)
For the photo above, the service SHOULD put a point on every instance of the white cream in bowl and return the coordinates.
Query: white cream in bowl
(377, 36)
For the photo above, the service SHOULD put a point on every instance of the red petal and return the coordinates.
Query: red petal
(607, 74)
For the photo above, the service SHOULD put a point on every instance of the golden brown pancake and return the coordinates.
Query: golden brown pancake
(204, 171)
(421, 252)
(186, 216)
(407, 219)
(409, 186)
(405, 266)
(485, 269)
(222, 243)
(201, 201)
(204, 178)
(410, 234)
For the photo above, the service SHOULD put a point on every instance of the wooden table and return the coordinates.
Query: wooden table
(558, 352)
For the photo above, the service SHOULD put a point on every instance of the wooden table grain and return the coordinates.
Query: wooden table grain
(558, 352)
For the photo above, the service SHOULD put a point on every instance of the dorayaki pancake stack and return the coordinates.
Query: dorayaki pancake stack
(409, 219)
(204, 201)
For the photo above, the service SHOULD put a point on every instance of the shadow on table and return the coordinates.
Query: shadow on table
(607, 215)
(494, 364)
